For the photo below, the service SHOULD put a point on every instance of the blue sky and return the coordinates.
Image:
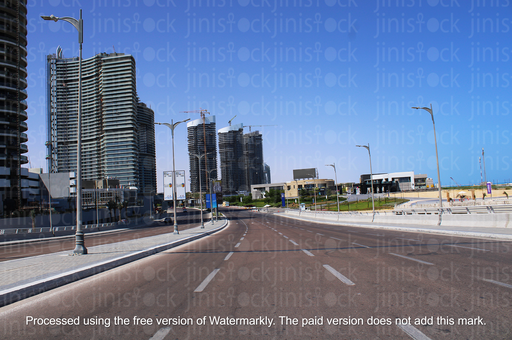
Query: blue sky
(323, 75)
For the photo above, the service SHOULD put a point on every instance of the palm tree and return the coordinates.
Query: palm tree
(111, 206)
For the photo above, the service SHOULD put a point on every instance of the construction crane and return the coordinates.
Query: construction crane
(455, 182)
(229, 122)
(250, 126)
(203, 114)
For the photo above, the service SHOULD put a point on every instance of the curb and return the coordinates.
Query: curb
(21, 292)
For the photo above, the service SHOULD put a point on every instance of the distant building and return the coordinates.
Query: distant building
(395, 181)
(117, 131)
(231, 151)
(267, 179)
(253, 158)
(147, 152)
(201, 140)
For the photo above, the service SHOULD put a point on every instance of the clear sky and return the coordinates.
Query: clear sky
(324, 75)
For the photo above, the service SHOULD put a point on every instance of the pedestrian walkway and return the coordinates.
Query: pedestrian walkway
(24, 277)
(479, 232)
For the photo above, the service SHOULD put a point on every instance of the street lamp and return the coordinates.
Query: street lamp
(200, 190)
(367, 147)
(172, 126)
(80, 248)
(210, 187)
(429, 110)
(336, 179)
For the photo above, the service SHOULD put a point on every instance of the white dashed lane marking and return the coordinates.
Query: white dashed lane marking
(203, 284)
(308, 253)
(412, 259)
(338, 275)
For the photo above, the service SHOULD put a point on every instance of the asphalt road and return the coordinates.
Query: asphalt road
(48, 244)
(266, 276)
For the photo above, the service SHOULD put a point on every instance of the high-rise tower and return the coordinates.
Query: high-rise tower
(198, 138)
(231, 151)
(13, 95)
(111, 118)
(253, 158)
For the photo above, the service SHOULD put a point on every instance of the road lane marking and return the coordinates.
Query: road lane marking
(285, 236)
(408, 239)
(242, 239)
(498, 283)
(373, 234)
(206, 281)
(228, 256)
(309, 231)
(162, 332)
(237, 245)
(320, 234)
(280, 233)
(340, 276)
(308, 253)
(339, 239)
(295, 243)
(412, 259)
(413, 332)
(453, 245)
(361, 245)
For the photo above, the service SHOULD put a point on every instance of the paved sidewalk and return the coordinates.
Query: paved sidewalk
(25, 277)
(479, 232)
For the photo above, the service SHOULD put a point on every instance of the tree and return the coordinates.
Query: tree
(111, 205)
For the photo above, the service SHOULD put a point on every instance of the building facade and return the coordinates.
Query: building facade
(231, 152)
(14, 187)
(202, 139)
(147, 151)
(253, 158)
(115, 127)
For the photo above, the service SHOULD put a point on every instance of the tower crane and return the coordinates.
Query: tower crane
(229, 121)
(455, 182)
(203, 113)
(250, 126)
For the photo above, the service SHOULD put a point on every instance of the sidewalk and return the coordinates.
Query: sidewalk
(25, 277)
(479, 232)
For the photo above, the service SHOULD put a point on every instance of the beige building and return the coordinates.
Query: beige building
(291, 189)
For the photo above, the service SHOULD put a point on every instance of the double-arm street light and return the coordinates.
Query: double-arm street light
(200, 190)
(172, 126)
(79, 25)
(429, 110)
(367, 147)
(336, 179)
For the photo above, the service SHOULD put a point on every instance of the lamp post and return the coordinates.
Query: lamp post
(429, 110)
(200, 190)
(367, 147)
(172, 126)
(80, 248)
(50, 158)
(211, 195)
(336, 179)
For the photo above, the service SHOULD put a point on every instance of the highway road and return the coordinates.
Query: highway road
(266, 276)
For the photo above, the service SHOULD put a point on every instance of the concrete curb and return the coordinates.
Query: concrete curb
(407, 229)
(21, 292)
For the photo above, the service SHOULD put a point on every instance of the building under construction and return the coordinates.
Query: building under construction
(232, 165)
(201, 140)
